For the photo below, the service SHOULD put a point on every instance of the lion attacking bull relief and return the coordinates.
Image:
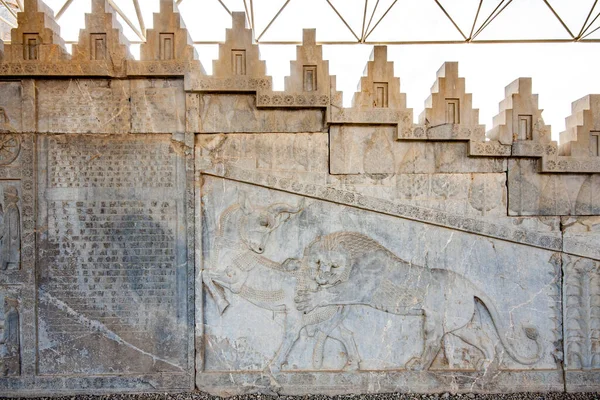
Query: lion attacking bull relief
(345, 272)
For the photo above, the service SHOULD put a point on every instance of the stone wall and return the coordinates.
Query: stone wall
(166, 230)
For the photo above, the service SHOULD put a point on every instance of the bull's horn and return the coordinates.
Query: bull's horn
(279, 208)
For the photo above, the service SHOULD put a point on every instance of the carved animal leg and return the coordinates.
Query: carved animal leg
(434, 333)
(289, 339)
(347, 338)
(477, 338)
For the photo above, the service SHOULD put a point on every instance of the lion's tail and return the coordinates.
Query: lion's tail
(502, 329)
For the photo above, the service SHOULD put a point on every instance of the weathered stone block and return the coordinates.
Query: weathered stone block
(343, 268)
(238, 113)
(157, 106)
(84, 106)
(114, 280)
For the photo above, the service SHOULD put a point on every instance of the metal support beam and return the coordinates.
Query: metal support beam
(560, 19)
(380, 19)
(9, 9)
(273, 20)
(587, 19)
(362, 34)
(590, 24)
(252, 18)
(138, 12)
(225, 7)
(450, 18)
(62, 10)
(399, 43)
(127, 20)
(343, 20)
(7, 22)
(475, 19)
(491, 17)
(248, 17)
(370, 19)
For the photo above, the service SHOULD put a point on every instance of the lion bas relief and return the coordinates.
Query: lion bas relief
(353, 269)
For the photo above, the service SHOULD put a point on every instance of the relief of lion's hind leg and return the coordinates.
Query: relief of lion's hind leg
(353, 358)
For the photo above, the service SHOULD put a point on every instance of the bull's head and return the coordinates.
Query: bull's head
(257, 223)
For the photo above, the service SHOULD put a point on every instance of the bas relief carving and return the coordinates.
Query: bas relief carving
(311, 282)
(10, 145)
(10, 357)
(10, 230)
(162, 229)
(353, 269)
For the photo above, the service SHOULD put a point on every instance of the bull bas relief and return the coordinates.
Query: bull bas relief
(339, 272)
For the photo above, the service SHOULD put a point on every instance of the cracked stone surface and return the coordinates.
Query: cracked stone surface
(163, 230)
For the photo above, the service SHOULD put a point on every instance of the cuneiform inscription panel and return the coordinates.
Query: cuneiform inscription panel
(83, 106)
(112, 290)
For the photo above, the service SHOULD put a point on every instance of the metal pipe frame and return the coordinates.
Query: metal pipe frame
(367, 26)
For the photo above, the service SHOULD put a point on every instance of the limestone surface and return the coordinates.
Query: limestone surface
(165, 230)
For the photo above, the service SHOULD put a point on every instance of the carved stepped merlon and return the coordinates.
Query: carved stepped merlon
(102, 41)
(169, 38)
(579, 151)
(168, 49)
(308, 84)
(449, 116)
(239, 67)
(37, 36)
(448, 102)
(521, 125)
(582, 136)
(378, 100)
(519, 122)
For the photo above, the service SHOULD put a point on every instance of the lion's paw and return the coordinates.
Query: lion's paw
(415, 364)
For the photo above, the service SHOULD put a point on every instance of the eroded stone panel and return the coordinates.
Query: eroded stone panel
(418, 287)
(157, 106)
(113, 281)
(532, 193)
(83, 106)
(238, 113)
(374, 150)
(10, 107)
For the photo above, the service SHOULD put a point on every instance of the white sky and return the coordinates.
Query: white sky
(561, 73)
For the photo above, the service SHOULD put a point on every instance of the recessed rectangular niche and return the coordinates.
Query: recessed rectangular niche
(238, 62)
(381, 94)
(98, 46)
(30, 46)
(310, 78)
(167, 42)
(524, 132)
(453, 111)
(595, 144)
